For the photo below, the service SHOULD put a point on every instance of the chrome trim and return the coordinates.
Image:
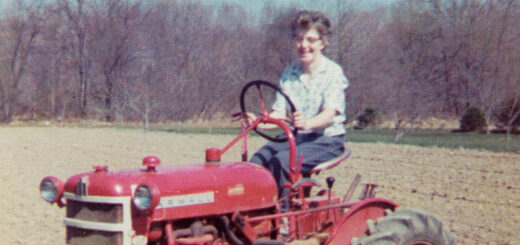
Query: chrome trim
(82, 186)
(97, 199)
(91, 225)
(125, 227)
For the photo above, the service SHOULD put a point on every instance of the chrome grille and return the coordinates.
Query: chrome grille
(78, 236)
(98, 219)
(97, 212)
(82, 186)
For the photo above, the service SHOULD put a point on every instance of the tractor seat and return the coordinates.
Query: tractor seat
(307, 182)
(330, 163)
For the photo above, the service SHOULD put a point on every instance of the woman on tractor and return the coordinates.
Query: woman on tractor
(315, 84)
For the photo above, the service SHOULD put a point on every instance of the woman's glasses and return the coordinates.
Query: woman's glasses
(309, 40)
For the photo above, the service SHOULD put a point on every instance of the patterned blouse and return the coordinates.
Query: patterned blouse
(325, 89)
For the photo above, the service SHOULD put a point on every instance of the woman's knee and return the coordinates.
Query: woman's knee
(281, 160)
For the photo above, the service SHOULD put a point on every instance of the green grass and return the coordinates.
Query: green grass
(422, 137)
(418, 137)
(229, 131)
(439, 138)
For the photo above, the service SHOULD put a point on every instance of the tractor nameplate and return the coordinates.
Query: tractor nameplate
(186, 200)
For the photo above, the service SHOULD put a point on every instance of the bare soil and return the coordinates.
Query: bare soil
(475, 193)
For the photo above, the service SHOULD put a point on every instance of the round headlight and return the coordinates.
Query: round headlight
(146, 197)
(51, 189)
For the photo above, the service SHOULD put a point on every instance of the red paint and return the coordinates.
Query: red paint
(236, 186)
(353, 223)
(244, 191)
(213, 155)
(170, 238)
(151, 162)
(60, 186)
(100, 169)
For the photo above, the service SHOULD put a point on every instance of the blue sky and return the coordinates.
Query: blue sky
(253, 6)
(260, 3)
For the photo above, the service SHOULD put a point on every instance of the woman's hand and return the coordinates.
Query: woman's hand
(248, 119)
(322, 120)
(300, 122)
(251, 117)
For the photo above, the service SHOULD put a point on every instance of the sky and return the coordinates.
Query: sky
(253, 7)
(260, 3)
(256, 4)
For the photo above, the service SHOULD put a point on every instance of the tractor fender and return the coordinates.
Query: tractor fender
(354, 222)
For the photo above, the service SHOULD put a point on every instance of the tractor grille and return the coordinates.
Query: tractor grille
(96, 212)
(78, 236)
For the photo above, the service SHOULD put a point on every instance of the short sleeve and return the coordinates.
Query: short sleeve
(280, 104)
(335, 92)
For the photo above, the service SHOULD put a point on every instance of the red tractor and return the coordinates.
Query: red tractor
(226, 203)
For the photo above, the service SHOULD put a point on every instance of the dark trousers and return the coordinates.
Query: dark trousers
(315, 148)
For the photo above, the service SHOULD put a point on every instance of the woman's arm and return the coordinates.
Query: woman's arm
(266, 126)
(321, 120)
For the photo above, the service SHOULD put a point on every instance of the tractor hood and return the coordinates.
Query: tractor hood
(208, 187)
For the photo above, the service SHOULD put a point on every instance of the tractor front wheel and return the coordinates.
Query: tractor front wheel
(405, 226)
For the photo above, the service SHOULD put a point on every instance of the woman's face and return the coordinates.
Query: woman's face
(309, 45)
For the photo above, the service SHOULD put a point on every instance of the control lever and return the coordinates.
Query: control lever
(330, 182)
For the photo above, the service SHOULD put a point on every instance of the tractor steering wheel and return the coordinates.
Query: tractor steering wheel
(258, 84)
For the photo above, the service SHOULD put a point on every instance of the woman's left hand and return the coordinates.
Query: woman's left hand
(322, 120)
(300, 122)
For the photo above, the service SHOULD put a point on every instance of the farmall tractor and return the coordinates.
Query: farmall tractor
(231, 203)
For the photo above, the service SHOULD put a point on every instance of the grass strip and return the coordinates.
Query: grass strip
(417, 137)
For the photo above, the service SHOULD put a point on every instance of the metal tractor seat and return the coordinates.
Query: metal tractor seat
(307, 182)
(330, 163)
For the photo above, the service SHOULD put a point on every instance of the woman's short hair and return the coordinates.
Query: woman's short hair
(306, 19)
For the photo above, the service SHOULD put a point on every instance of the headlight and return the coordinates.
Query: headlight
(146, 197)
(51, 189)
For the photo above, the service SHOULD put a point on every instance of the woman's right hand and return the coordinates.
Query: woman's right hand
(251, 117)
(248, 119)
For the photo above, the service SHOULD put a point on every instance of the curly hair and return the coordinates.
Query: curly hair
(305, 20)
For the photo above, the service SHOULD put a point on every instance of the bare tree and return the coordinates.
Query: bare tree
(404, 49)
(278, 51)
(142, 97)
(358, 52)
(176, 60)
(19, 34)
(76, 13)
(51, 67)
(116, 25)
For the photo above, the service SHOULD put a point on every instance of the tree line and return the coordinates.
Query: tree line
(152, 61)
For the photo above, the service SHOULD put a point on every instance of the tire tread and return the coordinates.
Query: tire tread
(405, 225)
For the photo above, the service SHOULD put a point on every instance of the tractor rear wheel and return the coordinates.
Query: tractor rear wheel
(405, 226)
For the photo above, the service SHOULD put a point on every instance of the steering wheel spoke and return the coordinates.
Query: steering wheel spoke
(260, 84)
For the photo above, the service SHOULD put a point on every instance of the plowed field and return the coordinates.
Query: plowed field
(475, 193)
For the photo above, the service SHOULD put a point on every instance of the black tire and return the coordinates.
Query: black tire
(405, 226)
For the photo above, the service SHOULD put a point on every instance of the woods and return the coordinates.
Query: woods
(152, 61)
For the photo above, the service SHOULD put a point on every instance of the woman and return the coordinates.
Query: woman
(315, 84)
